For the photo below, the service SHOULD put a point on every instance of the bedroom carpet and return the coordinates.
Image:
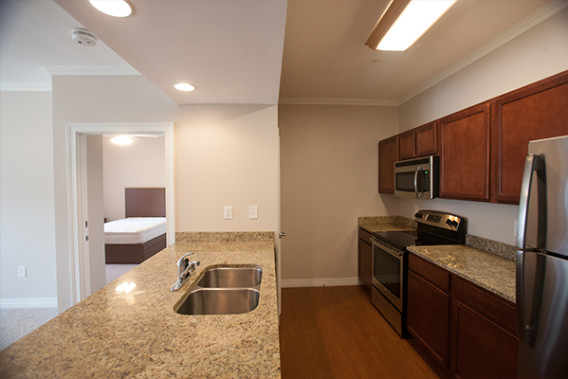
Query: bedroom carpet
(16, 323)
(113, 271)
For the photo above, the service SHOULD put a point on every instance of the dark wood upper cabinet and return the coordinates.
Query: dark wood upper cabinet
(407, 144)
(388, 154)
(465, 151)
(533, 112)
(418, 142)
(427, 139)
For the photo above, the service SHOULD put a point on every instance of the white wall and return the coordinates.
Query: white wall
(224, 155)
(329, 171)
(27, 224)
(141, 164)
(537, 54)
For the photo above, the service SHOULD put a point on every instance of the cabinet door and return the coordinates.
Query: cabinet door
(482, 348)
(533, 112)
(427, 139)
(365, 262)
(428, 313)
(464, 143)
(407, 145)
(388, 154)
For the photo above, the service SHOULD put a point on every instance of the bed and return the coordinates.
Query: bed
(143, 232)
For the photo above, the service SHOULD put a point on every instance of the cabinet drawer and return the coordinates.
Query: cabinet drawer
(365, 236)
(430, 272)
(493, 307)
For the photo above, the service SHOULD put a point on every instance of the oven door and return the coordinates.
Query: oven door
(388, 265)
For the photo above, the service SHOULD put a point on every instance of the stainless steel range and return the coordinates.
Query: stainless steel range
(390, 260)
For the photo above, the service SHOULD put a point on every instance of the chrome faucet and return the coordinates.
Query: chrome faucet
(184, 269)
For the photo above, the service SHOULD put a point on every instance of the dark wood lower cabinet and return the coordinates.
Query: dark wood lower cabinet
(365, 258)
(428, 317)
(469, 331)
(483, 349)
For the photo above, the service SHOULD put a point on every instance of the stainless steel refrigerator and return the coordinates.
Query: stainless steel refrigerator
(542, 261)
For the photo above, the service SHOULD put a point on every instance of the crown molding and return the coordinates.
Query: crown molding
(522, 27)
(91, 71)
(26, 87)
(337, 101)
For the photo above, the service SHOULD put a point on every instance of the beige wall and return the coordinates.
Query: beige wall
(27, 225)
(95, 213)
(539, 53)
(142, 164)
(329, 178)
(224, 155)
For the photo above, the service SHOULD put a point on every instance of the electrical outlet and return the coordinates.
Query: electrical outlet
(21, 271)
(253, 212)
(228, 212)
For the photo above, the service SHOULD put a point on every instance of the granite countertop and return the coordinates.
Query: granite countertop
(386, 223)
(138, 334)
(490, 266)
(494, 273)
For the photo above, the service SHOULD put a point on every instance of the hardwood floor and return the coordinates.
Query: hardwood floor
(335, 332)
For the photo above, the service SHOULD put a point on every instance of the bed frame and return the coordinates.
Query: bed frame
(140, 202)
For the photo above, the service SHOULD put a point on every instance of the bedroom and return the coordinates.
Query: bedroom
(139, 165)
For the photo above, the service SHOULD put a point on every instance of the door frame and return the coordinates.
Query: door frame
(79, 270)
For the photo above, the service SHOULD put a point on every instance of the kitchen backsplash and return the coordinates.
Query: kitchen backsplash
(493, 247)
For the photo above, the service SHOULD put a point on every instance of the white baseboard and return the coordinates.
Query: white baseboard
(29, 302)
(320, 282)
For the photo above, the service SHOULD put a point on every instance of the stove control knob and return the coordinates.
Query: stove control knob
(452, 223)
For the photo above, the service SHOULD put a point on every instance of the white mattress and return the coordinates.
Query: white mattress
(134, 230)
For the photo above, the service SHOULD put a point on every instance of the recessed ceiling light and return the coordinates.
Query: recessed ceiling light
(115, 8)
(185, 87)
(122, 140)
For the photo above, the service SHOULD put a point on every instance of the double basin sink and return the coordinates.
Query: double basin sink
(223, 290)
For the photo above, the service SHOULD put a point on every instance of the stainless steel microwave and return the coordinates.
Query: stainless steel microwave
(417, 178)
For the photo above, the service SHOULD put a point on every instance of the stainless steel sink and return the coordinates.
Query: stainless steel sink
(231, 277)
(216, 301)
(223, 290)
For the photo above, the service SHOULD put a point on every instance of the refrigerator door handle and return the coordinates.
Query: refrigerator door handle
(529, 303)
(532, 163)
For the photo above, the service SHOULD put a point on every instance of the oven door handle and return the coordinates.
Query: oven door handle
(394, 252)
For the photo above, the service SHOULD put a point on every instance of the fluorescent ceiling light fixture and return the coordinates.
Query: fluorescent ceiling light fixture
(404, 22)
(115, 8)
(122, 140)
(185, 87)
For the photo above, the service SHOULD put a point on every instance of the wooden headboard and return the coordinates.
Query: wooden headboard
(145, 202)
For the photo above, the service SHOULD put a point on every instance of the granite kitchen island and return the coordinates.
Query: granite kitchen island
(138, 333)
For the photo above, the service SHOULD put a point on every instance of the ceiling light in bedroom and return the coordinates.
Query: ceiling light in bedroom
(115, 8)
(185, 87)
(122, 140)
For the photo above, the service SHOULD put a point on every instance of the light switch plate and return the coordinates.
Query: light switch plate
(228, 212)
(253, 212)
(21, 271)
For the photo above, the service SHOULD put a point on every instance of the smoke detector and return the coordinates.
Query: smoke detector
(83, 37)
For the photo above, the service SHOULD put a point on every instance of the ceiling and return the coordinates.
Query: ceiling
(254, 51)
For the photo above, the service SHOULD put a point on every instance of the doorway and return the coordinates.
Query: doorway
(80, 273)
